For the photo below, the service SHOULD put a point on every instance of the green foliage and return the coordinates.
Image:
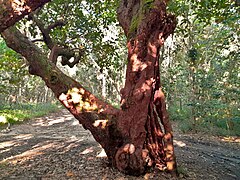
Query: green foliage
(202, 77)
(11, 67)
(17, 85)
(16, 113)
(92, 26)
(192, 54)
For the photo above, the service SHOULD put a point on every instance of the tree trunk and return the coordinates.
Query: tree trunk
(143, 103)
(131, 137)
(14, 10)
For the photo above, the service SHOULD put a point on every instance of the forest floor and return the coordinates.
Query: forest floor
(57, 147)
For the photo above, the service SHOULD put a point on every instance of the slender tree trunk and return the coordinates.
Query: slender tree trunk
(46, 95)
(131, 137)
(192, 79)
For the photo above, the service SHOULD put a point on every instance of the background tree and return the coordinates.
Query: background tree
(204, 52)
(17, 86)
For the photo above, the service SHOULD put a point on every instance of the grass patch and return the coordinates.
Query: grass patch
(213, 125)
(182, 171)
(19, 112)
(217, 129)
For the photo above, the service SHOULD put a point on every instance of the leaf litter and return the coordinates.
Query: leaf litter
(57, 147)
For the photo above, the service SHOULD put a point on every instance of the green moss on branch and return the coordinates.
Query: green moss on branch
(145, 6)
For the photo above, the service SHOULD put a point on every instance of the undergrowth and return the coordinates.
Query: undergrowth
(16, 113)
(213, 125)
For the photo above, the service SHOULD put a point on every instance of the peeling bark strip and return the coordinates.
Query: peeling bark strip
(13, 11)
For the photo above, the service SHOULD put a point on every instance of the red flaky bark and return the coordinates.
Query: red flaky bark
(132, 137)
(143, 103)
(14, 10)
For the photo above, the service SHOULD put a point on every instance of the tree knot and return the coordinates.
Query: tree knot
(53, 78)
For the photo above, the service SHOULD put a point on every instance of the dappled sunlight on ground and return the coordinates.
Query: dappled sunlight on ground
(88, 150)
(71, 145)
(57, 147)
(48, 145)
(231, 139)
(23, 136)
(49, 121)
(7, 144)
(179, 143)
(19, 140)
(60, 120)
(30, 154)
(102, 154)
(42, 148)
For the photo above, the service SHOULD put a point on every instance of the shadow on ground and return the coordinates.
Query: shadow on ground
(57, 147)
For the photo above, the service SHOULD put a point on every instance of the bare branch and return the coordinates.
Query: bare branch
(45, 32)
(37, 40)
(57, 50)
(54, 54)
(59, 23)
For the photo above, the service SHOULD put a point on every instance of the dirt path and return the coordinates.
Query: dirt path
(57, 147)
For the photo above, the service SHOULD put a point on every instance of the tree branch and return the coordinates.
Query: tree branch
(125, 11)
(59, 23)
(12, 11)
(45, 32)
(57, 50)
(86, 107)
(37, 40)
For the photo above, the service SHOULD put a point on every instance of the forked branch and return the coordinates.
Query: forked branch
(56, 50)
(94, 114)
